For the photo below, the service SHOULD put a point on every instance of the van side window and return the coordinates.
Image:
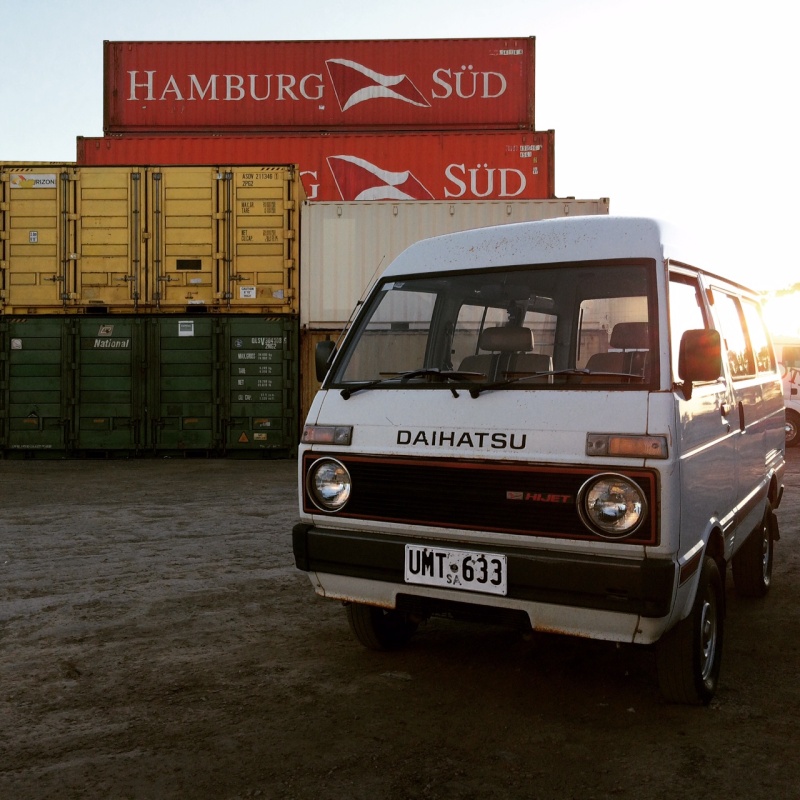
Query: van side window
(759, 340)
(740, 355)
(685, 313)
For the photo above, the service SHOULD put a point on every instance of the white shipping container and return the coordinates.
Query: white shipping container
(344, 246)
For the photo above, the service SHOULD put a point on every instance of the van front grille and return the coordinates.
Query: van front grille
(530, 500)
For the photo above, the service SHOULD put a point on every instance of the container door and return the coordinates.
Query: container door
(260, 413)
(109, 384)
(34, 400)
(257, 268)
(184, 383)
(37, 239)
(109, 218)
(181, 243)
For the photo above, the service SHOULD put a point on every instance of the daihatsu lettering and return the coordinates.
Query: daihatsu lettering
(576, 424)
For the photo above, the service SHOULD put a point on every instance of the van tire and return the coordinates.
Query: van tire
(379, 628)
(792, 428)
(752, 564)
(689, 655)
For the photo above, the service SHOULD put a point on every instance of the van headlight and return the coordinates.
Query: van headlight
(328, 484)
(612, 505)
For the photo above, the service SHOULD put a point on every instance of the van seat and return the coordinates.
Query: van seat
(512, 348)
(631, 343)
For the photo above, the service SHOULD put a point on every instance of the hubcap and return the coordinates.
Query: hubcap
(766, 561)
(708, 636)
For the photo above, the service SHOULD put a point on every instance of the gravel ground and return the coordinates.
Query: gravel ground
(157, 642)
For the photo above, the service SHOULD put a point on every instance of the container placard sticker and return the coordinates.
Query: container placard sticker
(16, 344)
(186, 327)
(20, 180)
(33, 237)
(247, 292)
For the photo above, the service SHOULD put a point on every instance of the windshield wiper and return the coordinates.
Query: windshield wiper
(476, 390)
(404, 377)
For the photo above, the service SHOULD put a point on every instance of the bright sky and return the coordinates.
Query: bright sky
(685, 110)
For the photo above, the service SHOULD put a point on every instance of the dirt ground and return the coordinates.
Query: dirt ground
(157, 642)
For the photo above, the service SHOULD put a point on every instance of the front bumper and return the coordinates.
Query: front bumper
(640, 587)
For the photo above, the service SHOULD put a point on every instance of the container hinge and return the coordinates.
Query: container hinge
(55, 279)
(166, 278)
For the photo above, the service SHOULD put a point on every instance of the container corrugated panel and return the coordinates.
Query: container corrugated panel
(345, 246)
(119, 239)
(491, 165)
(183, 359)
(304, 85)
(35, 362)
(109, 384)
(260, 402)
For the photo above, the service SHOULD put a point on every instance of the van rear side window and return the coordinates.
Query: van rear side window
(740, 355)
(765, 361)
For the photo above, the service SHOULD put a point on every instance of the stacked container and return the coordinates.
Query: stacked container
(148, 309)
(178, 235)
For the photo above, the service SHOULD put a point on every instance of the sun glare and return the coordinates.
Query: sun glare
(782, 313)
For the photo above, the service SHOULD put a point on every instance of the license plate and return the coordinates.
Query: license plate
(456, 569)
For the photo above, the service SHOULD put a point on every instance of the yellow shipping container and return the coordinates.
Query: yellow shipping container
(103, 240)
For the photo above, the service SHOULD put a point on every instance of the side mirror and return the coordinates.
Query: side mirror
(323, 356)
(700, 358)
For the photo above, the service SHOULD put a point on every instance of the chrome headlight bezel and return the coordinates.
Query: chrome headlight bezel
(612, 506)
(331, 473)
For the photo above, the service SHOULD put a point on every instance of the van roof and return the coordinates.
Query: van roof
(545, 241)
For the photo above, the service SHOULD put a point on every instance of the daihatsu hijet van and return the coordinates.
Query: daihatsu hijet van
(568, 421)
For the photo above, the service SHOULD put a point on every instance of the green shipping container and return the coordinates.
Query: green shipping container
(145, 385)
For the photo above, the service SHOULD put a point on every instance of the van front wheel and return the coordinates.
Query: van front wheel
(379, 628)
(690, 655)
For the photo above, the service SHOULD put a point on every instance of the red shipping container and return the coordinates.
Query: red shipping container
(420, 84)
(361, 166)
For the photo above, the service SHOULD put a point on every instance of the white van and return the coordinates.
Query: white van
(567, 422)
(788, 353)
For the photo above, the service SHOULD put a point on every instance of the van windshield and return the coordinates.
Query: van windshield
(533, 327)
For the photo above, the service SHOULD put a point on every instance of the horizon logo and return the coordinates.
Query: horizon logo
(354, 83)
